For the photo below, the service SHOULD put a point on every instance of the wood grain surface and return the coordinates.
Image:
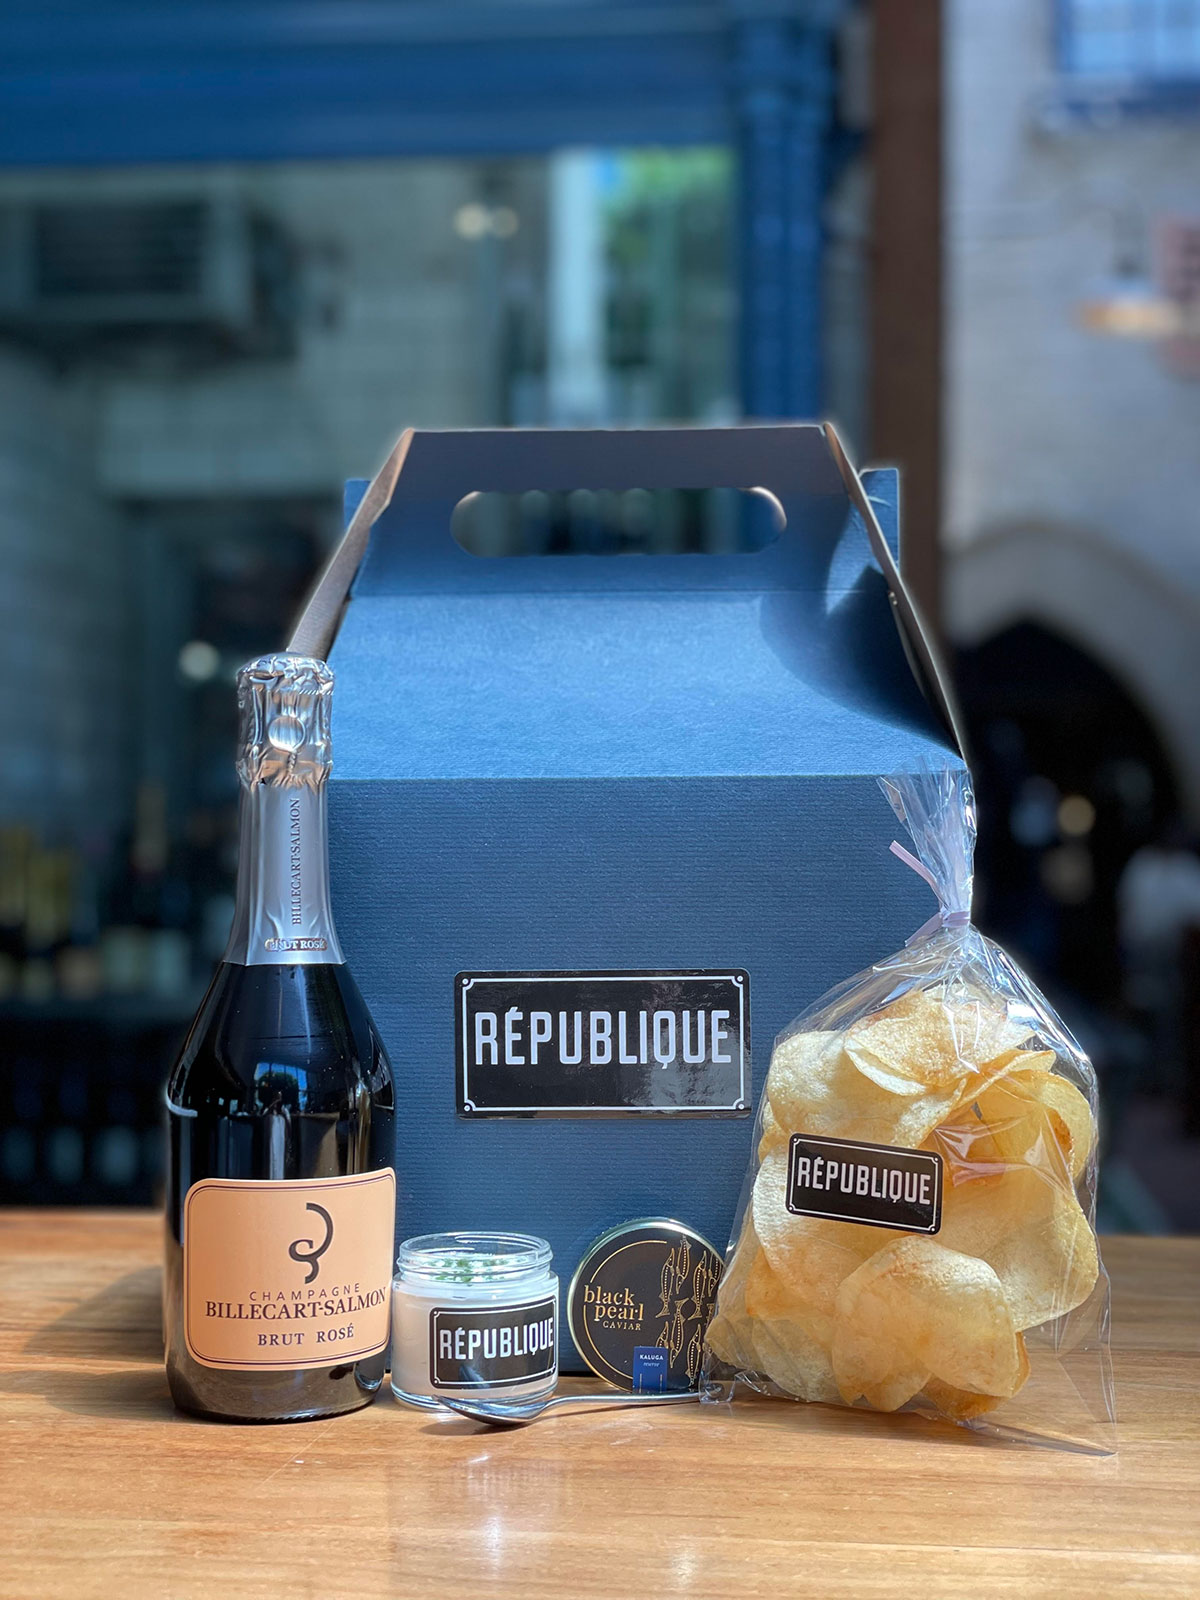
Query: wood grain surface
(106, 1491)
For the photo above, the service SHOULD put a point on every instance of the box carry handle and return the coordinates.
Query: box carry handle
(793, 459)
(439, 467)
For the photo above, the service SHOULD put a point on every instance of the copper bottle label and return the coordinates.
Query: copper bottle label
(285, 1274)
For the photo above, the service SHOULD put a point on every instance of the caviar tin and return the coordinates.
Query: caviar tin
(640, 1302)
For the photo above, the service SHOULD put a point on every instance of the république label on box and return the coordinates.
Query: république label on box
(603, 1043)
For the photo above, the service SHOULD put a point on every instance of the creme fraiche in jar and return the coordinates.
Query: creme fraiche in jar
(474, 1314)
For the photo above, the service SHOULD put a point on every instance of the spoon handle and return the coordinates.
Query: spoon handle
(619, 1398)
(518, 1412)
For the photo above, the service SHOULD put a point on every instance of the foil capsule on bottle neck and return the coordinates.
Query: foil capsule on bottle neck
(284, 740)
(282, 914)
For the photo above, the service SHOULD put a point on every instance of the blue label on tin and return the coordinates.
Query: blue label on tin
(651, 1364)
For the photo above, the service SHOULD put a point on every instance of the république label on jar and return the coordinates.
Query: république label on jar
(494, 1347)
(880, 1185)
(603, 1043)
(473, 1312)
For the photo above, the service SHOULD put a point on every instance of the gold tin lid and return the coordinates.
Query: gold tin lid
(640, 1302)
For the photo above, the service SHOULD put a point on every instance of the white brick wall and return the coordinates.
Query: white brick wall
(1049, 421)
(1073, 474)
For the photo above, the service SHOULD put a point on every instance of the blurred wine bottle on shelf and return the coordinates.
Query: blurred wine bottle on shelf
(15, 846)
(80, 921)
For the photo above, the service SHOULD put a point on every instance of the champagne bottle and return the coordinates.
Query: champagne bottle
(280, 1189)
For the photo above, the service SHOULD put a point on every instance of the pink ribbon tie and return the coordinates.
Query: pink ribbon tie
(942, 918)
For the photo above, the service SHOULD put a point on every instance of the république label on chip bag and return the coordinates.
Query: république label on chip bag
(846, 1180)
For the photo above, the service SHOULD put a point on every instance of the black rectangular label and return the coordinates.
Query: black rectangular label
(877, 1184)
(573, 1044)
(492, 1347)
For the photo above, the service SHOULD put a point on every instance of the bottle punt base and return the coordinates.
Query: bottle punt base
(243, 1409)
(252, 1422)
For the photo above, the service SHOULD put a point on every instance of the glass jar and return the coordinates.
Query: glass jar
(474, 1314)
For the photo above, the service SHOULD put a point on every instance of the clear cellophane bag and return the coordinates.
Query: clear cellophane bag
(917, 1227)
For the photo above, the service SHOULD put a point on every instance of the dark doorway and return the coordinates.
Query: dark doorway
(1072, 779)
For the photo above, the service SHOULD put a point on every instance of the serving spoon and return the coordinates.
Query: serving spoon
(515, 1413)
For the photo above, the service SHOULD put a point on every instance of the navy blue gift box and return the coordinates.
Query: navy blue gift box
(601, 826)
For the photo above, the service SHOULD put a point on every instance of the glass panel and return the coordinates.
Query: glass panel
(1132, 38)
(192, 362)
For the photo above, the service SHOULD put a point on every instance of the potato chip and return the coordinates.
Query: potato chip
(1004, 1125)
(962, 1404)
(773, 1137)
(1003, 1066)
(791, 1339)
(1066, 1102)
(778, 1346)
(943, 1313)
(926, 1042)
(804, 1081)
(959, 1404)
(908, 1046)
(866, 1367)
(731, 1290)
(729, 1334)
(729, 1338)
(985, 1032)
(813, 1087)
(917, 1118)
(810, 1255)
(1032, 1232)
(771, 1299)
(790, 1357)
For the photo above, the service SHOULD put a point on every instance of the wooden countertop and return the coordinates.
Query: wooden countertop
(106, 1491)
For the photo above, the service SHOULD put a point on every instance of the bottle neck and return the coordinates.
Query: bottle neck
(282, 915)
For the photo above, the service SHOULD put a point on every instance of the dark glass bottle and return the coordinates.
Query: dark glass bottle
(280, 1190)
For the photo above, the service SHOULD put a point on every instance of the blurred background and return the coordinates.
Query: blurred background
(243, 246)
